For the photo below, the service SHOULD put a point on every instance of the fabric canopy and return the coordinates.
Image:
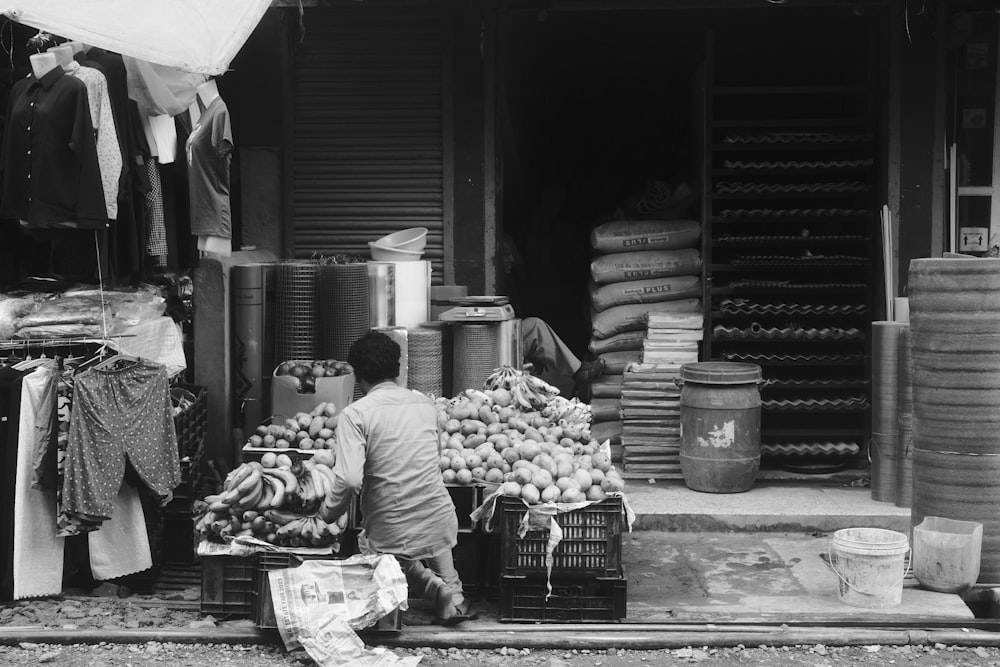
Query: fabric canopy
(199, 36)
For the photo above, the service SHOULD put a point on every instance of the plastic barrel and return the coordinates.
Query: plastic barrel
(955, 347)
(720, 426)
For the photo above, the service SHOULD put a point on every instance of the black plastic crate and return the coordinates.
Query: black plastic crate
(466, 498)
(227, 586)
(191, 424)
(573, 599)
(471, 558)
(591, 542)
(262, 612)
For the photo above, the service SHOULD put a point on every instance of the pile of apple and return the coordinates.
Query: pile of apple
(306, 430)
(308, 372)
(485, 438)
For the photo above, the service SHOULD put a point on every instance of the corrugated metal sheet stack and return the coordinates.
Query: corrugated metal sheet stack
(640, 267)
(650, 398)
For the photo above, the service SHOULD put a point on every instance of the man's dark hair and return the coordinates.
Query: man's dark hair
(375, 357)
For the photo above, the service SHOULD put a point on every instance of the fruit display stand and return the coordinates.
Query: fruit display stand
(275, 504)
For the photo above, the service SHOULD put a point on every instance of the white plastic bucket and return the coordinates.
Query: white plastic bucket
(947, 553)
(870, 564)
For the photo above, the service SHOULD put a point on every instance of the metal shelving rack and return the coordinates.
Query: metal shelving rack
(790, 232)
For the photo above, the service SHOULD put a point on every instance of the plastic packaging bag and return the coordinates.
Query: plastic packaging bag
(11, 309)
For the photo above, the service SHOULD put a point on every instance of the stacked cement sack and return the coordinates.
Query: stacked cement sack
(639, 267)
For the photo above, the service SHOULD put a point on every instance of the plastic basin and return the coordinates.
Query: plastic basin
(413, 239)
(384, 254)
(947, 553)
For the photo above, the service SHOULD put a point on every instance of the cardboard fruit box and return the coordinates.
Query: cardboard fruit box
(288, 399)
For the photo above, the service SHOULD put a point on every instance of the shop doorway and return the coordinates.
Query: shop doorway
(594, 120)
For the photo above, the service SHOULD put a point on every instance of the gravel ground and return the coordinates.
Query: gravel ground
(94, 613)
(87, 612)
(196, 655)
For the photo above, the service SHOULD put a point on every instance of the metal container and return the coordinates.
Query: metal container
(382, 294)
(253, 339)
(720, 425)
(479, 349)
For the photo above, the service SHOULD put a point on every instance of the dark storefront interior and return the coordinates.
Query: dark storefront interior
(597, 107)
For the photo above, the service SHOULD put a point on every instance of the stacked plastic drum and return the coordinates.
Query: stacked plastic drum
(639, 267)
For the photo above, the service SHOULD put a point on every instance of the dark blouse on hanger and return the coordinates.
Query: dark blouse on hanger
(51, 173)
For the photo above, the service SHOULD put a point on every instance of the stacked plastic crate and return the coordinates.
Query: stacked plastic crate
(586, 583)
(651, 396)
(190, 423)
(640, 267)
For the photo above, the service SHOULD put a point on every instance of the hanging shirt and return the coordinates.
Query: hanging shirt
(126, 242)
(161, 135)
(51, 173)
(109, 152)
(209, 153)
(388, 440)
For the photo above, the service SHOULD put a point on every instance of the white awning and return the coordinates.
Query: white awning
(199, 36)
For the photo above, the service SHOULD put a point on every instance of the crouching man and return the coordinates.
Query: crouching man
(388, 449)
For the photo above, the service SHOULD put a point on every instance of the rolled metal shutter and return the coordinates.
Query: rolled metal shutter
(368, 128)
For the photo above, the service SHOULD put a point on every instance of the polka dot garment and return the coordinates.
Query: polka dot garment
(121, 413)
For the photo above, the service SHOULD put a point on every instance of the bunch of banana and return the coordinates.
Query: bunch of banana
(242, 490)
(279, 505)
(504, 377)
(527, 391)
(316, 482)
(281, 483)
(234, 522)
(527, 396)
(572, 410)
(296, 530)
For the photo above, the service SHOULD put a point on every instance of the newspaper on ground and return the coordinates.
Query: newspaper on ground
(320, 605)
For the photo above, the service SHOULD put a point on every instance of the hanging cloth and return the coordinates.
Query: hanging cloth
(109, 151)
(38, 551)
(120, 415)
(190, 35)
(121, 545)
(51, 173)
(10, 408)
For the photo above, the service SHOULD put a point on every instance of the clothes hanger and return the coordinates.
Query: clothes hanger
(112, 362)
